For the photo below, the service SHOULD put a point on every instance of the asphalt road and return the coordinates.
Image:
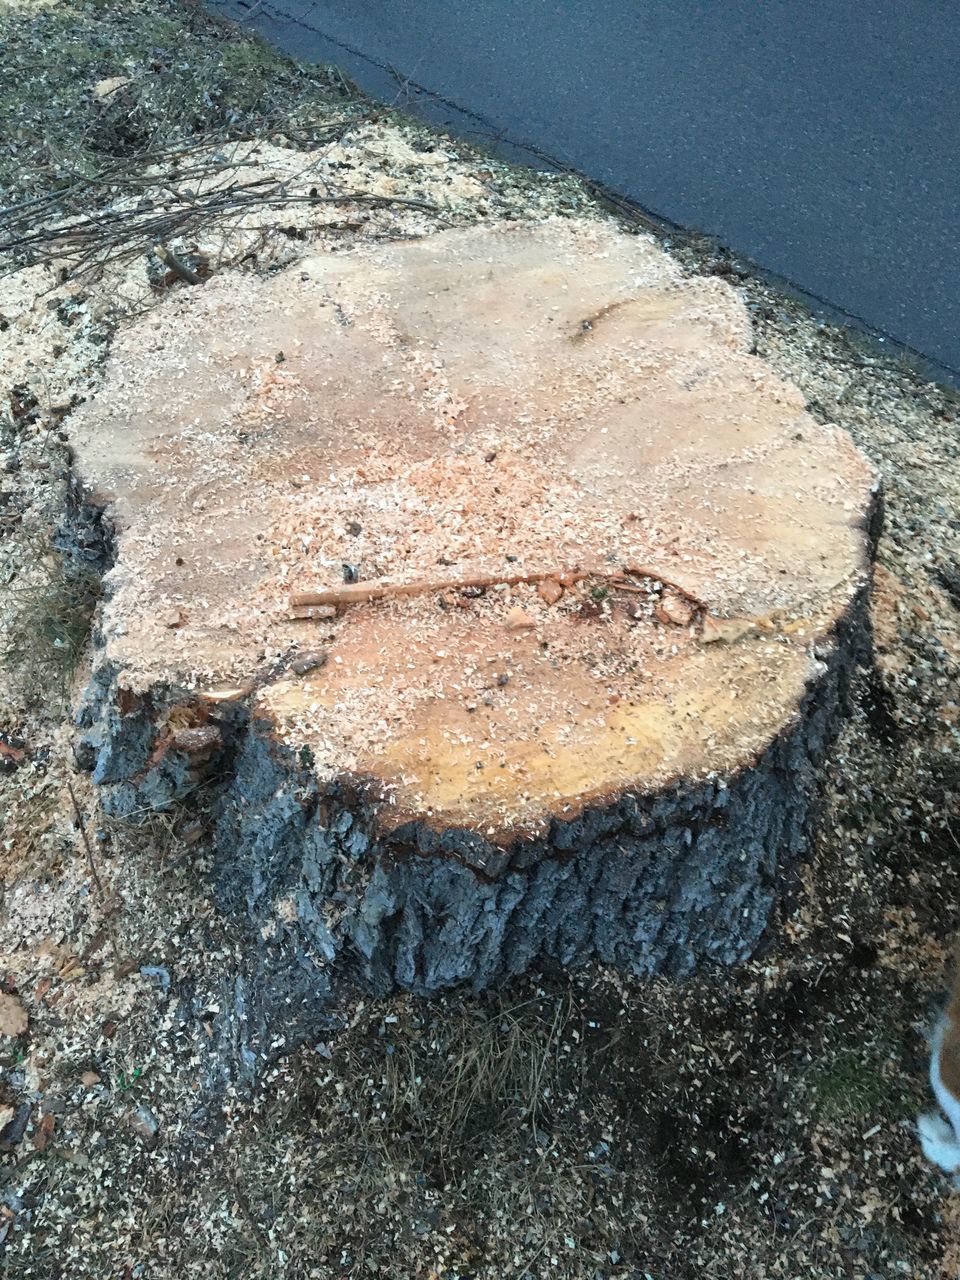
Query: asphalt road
(818, 138)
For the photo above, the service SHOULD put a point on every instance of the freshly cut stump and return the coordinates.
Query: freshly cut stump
(507, 598)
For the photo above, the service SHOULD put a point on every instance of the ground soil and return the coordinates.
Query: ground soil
(756, 1122)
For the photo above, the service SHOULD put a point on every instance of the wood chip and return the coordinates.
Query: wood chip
(518, 620)
(674, 608)
(550, 591)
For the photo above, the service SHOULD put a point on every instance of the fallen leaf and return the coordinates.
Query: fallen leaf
(105, 88)
(13, 1016)
(44, 1131)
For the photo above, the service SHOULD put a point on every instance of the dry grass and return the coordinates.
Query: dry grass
(45, 626)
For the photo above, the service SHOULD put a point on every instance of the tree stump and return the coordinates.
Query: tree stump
(507, 598)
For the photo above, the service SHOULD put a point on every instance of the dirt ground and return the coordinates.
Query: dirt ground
(754, 1123)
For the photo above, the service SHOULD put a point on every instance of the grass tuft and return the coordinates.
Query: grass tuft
(46, 625)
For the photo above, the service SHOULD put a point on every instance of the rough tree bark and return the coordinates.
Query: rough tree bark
(510, 601)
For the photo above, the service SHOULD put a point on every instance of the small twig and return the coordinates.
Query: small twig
(113, 228)
(176, 264)
(547, 1241)
(362, 592)
(93, 869)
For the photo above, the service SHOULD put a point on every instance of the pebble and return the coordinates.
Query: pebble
(142, 1121)
(308, 661)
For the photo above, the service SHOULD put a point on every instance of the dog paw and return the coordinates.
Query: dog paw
(935, 1128)
(939, 1142)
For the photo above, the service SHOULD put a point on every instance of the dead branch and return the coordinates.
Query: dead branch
(362, 592)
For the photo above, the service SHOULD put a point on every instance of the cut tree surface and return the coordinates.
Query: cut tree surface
(480, 539)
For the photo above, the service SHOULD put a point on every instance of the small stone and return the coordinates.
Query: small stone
(550, 591)
(11, 463)
(13, 1016)
(518, 620)
(89, 1079)
(311, 660)
(354, 528)
(173, 618)
(142, 1121)
(351, 573)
